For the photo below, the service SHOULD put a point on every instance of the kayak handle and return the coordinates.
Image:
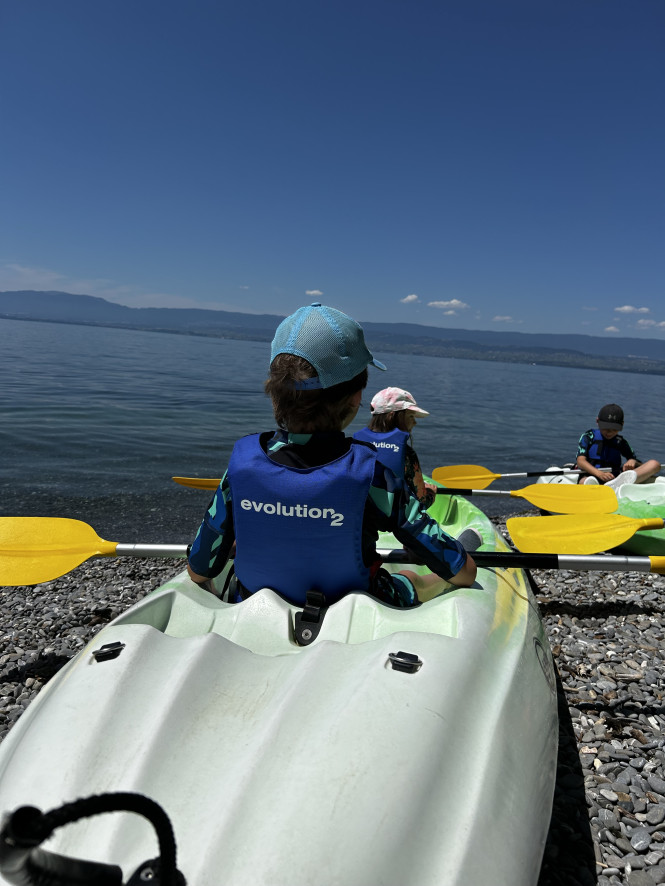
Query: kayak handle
(23, 863)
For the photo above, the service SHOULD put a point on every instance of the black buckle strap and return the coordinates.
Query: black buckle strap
(307, 623)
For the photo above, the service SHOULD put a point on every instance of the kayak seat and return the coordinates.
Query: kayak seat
(264, 622)
(470, 540)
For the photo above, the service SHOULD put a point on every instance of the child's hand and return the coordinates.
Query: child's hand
(604, 476)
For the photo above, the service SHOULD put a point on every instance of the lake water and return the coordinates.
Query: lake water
(95, 421)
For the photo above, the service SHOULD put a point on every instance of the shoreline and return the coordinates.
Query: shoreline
(525, 354)
(606, 631)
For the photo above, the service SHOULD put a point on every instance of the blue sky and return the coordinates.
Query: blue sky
(484, 164)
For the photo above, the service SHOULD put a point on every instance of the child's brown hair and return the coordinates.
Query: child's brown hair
(304, 412)
(382, 422)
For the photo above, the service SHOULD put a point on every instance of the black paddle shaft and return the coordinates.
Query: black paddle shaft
(517, 560)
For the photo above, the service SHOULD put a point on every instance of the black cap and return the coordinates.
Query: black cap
(610, 418)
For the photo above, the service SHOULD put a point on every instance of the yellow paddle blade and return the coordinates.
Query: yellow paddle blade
(569, 499)
(464, 476)
(467, 476)
(37, 549)
(573, 534)
(197, 482)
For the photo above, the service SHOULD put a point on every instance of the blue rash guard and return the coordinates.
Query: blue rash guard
(389, 505)
(604, 453)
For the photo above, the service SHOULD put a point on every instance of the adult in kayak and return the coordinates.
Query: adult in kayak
(394, 415)
(304, 504)
(601, 451)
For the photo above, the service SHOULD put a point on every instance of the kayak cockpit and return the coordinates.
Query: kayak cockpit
(264, 623)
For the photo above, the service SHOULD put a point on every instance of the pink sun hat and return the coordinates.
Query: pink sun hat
(394, 400)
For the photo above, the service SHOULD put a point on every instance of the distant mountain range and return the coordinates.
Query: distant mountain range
(644, 355)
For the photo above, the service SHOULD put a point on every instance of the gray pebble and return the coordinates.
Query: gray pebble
(656, 815)
(640, 839)
(656, 784)
(608, 818)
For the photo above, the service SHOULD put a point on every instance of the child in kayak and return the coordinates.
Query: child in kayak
(304, 504)
(393, 418)
(601, 450)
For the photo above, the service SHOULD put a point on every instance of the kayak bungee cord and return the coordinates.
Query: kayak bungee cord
(24, 864)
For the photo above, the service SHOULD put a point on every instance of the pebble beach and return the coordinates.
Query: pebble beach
(607, 634)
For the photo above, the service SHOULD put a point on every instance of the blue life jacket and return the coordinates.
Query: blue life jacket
(390, 447)
(605, 453)
(300, 529)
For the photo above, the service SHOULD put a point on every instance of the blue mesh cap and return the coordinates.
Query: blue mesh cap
(328, 339)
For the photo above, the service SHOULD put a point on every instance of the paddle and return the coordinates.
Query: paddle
(476, 475)
(39, 549)
(560, 499)
(516, 560)
(198, 482)
(572, 534)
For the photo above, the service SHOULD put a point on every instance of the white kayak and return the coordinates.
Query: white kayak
(336, 763)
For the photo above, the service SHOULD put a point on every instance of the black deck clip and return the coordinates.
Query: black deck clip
(108, 651)
(308, 622)
(408, 662)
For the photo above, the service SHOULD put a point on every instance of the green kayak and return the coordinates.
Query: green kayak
(634, 500)
(644, 500)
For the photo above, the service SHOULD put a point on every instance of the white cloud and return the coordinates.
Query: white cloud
(315, 292)
(611, 329)
(642, 323)
(408, 299)
(629, 309)
(17, 277)
(500, 319)
(448, 307)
